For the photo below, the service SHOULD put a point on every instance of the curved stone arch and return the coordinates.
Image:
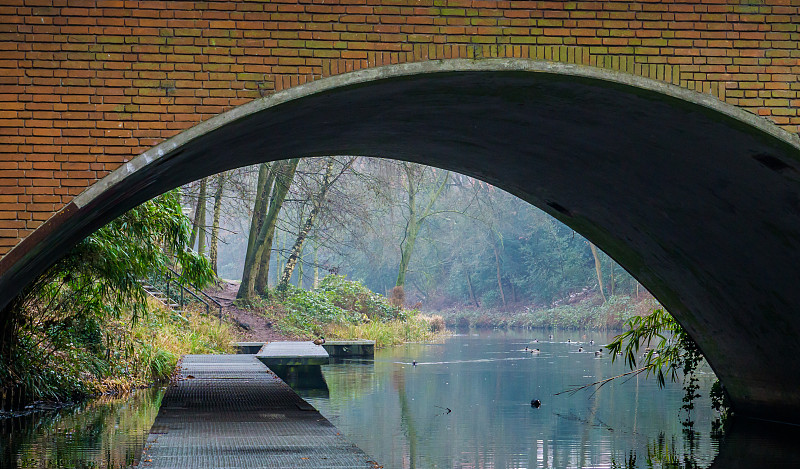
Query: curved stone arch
(699, 200)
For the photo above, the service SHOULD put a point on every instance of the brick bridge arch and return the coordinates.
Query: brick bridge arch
(86, 86)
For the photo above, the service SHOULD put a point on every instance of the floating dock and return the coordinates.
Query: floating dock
(335, 348)
(250, 348)
(350, 348)
(293, 354)
(230, 411)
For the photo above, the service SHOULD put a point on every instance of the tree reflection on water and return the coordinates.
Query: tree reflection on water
(107, 432)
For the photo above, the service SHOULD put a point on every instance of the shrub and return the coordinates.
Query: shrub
(394, 332)
(398, 296)
(435, 322)
(67, 327)
(347, 309)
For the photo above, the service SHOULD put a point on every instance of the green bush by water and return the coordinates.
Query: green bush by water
(345, 309)
(84, 326)
(129, 355)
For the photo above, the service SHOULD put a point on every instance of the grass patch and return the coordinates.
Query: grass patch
(419, 328)
(117, 355)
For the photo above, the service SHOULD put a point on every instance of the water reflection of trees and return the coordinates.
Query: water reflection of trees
(107, 432)
(662, 452)
(491, 424)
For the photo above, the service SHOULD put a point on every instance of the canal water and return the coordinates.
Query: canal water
(467, 404)
(104, 433)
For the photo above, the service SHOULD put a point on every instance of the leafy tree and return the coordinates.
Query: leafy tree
(94, 282)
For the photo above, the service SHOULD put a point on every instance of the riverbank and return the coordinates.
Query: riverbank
(591, 312)
(111, 357)
(337, 309)
(346, 310)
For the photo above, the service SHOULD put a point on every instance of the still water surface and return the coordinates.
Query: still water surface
(104, 433)
(398, 413)
(466, 404)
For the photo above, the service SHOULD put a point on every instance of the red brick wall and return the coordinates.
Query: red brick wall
(87, 85)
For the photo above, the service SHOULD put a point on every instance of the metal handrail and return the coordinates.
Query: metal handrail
(198, 290)
(170, 276)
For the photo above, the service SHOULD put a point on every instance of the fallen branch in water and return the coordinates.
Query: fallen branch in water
(602, 382)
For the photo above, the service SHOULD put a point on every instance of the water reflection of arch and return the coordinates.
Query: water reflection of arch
(697, 199)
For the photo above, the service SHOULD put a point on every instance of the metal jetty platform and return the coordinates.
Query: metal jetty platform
(293, 354)
(230, 411)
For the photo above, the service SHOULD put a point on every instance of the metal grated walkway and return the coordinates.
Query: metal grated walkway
(230, 411)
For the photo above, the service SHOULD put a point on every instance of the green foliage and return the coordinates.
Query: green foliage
(307, 312)
(162, 364)
(723, 406)
(336, 302)
(354, 296)
(671, 345)
(672, 350)
(384, 333)
(62, 335)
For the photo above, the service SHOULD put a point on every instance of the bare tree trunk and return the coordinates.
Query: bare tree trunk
(317, 203)
(278, 256)
(499, 276)
(415, 222)
(613, 281)
(214, 248)
(513, 291)
(283, 181)
(598, 270)
(201, 231)
(471, 291)
(300, 268)
(258, 262)
(297, 248)
(266, 178)
(199, 208)
(316, 263)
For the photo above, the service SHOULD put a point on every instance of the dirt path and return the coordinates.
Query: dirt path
(249, 326)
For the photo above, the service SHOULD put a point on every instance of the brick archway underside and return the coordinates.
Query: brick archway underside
(698, 200)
